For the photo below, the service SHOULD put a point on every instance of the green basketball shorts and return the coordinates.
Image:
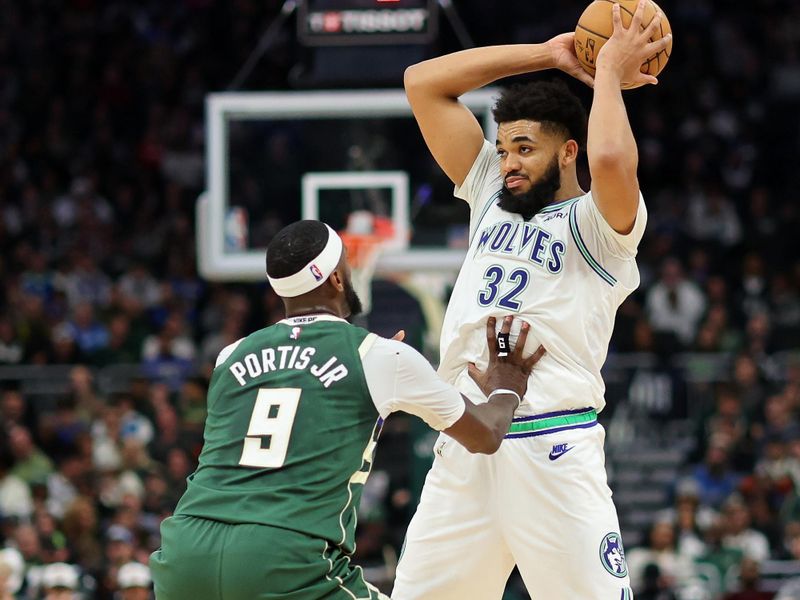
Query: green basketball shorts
(210, 560)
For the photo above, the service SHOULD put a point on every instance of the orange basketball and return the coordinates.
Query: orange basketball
(595, 26)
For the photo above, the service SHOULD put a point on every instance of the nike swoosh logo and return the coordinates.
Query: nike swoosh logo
(555, 455)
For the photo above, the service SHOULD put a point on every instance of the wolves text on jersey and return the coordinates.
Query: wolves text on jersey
(523, 239)
(288, 357)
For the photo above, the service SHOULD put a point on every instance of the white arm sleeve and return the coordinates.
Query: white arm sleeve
(401, 379)
(602, 238)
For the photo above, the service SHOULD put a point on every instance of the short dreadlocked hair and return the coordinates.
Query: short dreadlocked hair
(550, 103)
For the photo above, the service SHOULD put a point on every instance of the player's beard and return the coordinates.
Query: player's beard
(542, 193)
(352, 299)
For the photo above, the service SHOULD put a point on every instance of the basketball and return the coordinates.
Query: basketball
(595, 27)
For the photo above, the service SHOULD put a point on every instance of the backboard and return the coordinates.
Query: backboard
(276, 157)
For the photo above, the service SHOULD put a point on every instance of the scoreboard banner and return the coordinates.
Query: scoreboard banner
(366, 22)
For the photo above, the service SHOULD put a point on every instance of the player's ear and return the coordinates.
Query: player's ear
(568, 152)
(337, 280)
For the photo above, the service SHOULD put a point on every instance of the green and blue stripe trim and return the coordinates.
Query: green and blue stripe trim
(626, 594)
(546, 423)
(559, 205)
(587, 256)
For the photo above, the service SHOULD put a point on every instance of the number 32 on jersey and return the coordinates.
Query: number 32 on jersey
(503, 290)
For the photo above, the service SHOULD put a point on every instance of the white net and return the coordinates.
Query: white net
(363, 252)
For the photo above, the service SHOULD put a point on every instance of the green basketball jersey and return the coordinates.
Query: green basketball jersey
(290, 433)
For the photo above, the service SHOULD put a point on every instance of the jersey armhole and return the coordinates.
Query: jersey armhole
(366, 345)
(226, 352)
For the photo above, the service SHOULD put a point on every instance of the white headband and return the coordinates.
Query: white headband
(314, 274)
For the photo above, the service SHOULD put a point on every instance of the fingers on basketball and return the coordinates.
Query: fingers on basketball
(596, 26)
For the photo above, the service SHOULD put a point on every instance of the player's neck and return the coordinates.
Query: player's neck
(312, 311)
(317, 309)
(568, 191)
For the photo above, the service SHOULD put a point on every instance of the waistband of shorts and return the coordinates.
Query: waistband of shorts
(563, 420)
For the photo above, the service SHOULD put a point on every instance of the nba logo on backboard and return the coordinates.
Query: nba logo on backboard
(316, 272)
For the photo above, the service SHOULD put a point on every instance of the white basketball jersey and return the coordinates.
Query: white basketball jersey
(566, 271)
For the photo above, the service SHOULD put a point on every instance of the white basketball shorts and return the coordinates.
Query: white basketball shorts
(541, 502)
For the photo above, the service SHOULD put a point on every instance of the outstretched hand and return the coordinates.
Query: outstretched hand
(510, 371)
(564, 58)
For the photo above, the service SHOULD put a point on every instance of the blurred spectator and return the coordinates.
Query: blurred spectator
(753, 295)
(64, 348)
(675, 304)
(12, 568)
(785, 311)
(729, 424)
(749, 385)
(690, 519)
(134, 581)
(718, 556)
(662, 552)
(776, 468)
(37, 279)
(81, 528)
(750, 586)
(712, 217)
(171, 433)
(715, 479)
(121, 546)
(15, 496)
(11, 350)
(85, 282)
(192, 404)
(89, 333)
(134, 425)
(790, 544)
(121, 347)
(138, 290)
(63, 485)
(778, 421)
(232, 329)
(169, 356)
(653, 585)
(30, 463)
(14, 409)
(59, 581)
(739, 535)
(61, 428)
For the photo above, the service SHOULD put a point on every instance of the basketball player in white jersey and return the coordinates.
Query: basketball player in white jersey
(563, 259)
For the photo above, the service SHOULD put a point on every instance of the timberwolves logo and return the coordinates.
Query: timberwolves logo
(612, 555)
(316, 272)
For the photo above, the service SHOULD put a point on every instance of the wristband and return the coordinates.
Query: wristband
(506, 391)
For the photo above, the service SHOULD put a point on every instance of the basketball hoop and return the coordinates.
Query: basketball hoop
(363, 251)
(365, 236)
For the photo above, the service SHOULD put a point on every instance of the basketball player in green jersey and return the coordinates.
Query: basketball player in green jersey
(294, 413)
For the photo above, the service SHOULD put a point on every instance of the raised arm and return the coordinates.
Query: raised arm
(433, 87)
(611, 147)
